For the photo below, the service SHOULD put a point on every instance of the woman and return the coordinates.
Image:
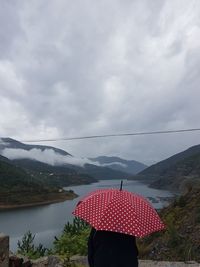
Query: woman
(110, 249)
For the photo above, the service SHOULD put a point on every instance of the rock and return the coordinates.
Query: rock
(17, 261)
(27, 263)
(79, 259)
(50, 261)
(54, 261)
(149, 263)
(41, 262)
(4, 250)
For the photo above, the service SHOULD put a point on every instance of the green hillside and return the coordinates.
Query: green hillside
(187, 171)
(180, 240)
(175, 172)
(15, 178)
(54, 175)
(17, 187)
(103, 173)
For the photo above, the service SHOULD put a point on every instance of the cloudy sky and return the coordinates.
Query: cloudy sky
(88, 67)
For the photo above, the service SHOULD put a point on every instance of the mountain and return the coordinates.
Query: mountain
(82, 175)
(32, 157)
(58, 176)
(11, 143)
(175, 172)
(102, 173)
(4, 159)
(18, 187)
(61, 176)
(116, 163)
(13, 177)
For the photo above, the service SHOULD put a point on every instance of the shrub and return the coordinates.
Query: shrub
(181, 201)
(73, 239)
(27, 248)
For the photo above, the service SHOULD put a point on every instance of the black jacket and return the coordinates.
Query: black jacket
(110, 249)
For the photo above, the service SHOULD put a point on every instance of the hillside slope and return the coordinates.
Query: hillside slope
(181, 239)
(14, 178)
(17, 187)
(102, 173)
(175, 172)
(54, 175)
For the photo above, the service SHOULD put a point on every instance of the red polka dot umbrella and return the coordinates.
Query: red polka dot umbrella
(119, 211)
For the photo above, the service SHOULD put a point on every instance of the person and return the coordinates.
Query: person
(111, 249)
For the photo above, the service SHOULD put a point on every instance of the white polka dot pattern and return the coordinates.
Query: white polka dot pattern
(119, 211)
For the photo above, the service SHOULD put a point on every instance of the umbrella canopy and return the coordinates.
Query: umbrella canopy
(119, 211)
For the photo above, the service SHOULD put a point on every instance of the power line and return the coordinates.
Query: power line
(111, 135)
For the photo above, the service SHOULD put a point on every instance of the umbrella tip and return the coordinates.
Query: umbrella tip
(121, 185)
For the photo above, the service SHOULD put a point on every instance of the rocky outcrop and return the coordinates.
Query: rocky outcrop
(143, 263)
(53, 261)
(21, 261)
(50, 261)
(4, 250)
(149, 263)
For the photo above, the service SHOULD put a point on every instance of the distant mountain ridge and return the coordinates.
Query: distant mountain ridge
(173, 172)
(93, 171)
(116, 163)
(52, 176)
(12, 143)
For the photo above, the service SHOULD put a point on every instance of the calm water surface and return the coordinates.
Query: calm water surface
(48, 221)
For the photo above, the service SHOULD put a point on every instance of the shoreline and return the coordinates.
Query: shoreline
(5, 207)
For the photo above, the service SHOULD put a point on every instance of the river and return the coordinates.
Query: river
(48, 221)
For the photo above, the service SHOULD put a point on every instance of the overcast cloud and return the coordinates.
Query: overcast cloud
(75, 68)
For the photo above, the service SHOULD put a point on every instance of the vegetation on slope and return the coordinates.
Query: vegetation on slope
(181, 239)
(17, 187)
(15, 179)
(73, 241)
(54, 175)
(175, 172)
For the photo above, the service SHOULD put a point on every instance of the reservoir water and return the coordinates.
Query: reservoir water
(48, 221)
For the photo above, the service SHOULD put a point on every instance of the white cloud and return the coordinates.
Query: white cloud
(48, 156)
(114, 163)
(2, 142)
